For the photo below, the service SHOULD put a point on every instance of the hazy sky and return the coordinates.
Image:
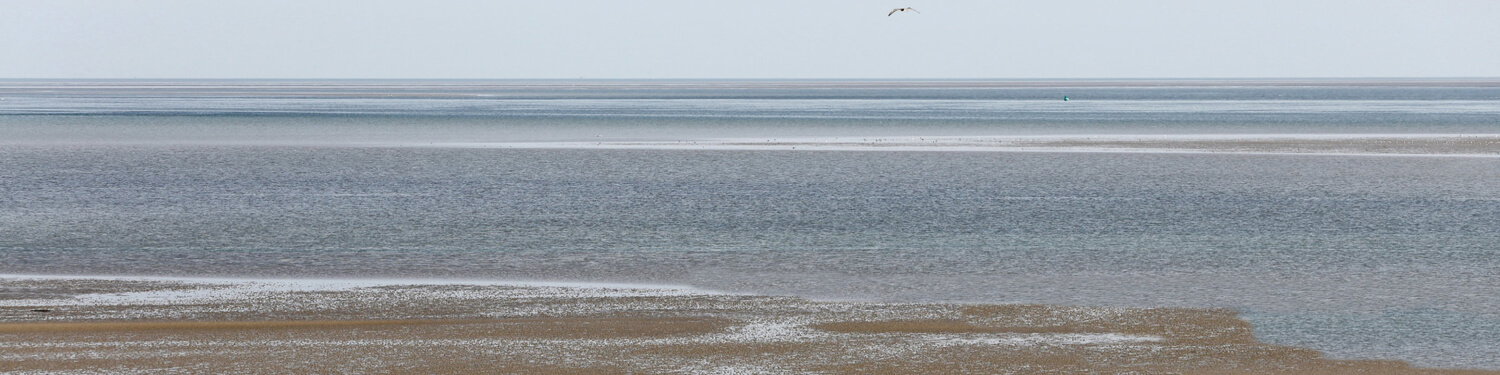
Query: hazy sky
(748, 39)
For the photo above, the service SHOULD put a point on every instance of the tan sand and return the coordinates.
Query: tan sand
(569, 330)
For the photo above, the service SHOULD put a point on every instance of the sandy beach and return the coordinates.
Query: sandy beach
(184, 325)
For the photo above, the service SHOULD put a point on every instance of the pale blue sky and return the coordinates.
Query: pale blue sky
(760, 39)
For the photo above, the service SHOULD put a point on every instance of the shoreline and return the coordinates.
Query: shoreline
(319, 325)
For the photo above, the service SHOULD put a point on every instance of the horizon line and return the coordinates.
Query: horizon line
(1401, 78)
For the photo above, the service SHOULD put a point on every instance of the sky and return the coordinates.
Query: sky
(770, 39)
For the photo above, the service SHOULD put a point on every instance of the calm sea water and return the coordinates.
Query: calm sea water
(1358, 256)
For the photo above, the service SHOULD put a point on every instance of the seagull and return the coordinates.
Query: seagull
(893, 11)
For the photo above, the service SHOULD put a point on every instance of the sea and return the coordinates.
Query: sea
(1358, 256)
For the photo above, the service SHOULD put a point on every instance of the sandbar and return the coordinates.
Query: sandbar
(186, 325)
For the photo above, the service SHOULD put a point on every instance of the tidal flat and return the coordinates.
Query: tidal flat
(186, 325)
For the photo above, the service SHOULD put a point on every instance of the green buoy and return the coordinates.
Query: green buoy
(1065, 98)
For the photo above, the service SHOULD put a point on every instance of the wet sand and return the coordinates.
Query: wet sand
(371, 326)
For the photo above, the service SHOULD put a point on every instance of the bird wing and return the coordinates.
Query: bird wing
(893, 11)
(911, 9)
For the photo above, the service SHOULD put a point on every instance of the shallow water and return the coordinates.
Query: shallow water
(1359, 256)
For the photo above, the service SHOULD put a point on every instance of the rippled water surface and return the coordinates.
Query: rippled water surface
(1359, 256)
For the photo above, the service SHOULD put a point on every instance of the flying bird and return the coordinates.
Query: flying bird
(893, 11)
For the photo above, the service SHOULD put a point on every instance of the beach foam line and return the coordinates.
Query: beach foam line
(318, 283)
(219, 325)
(197, 290)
